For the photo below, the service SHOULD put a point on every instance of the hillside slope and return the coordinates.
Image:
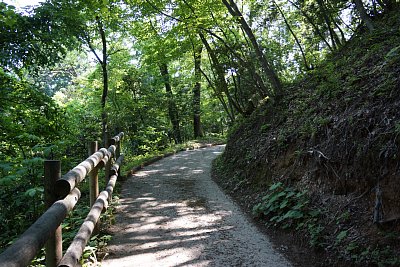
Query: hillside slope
(334, 136)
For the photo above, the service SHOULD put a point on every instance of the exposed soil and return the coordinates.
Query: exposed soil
(173, 214)
(335, 134)
(292, 244)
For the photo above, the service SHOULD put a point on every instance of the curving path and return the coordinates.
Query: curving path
(173, 214)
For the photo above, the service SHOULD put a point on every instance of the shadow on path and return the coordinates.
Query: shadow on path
(173, 214)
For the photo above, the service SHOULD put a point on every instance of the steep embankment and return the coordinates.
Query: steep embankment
(334, 135)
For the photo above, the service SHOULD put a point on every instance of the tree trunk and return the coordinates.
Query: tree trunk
(328, 23)
(197, 129)
(315, 27)
(218, 94)
(172, 109)
(103, 63)
(308, 67)
(266, 66)
(363, 14)
(221, 85)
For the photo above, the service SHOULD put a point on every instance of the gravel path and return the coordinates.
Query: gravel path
(173, 214)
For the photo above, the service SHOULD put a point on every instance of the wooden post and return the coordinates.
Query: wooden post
(93, 176)
(53, 247)
(94, 181)
(118, 150)
(118, 154)
(108, 166)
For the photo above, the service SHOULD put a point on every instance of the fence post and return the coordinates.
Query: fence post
(108, 166)
(53, 247)
(93, 176)
(94, 181)
(118, 154)
(118, 149)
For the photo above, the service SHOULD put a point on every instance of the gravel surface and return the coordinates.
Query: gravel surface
(173, 214)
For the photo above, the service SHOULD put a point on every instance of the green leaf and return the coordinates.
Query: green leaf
(276, 197)
(284, 204)
(30, 192)
(8, 180)
(275, 186)
(341, 236)
(314, 213)
(293, 214)
(290, 194)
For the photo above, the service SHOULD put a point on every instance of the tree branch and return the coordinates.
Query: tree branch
(87, 39)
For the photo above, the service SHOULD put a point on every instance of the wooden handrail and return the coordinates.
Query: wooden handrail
(117, 138)
(75, 250)
(26, 247)
(115, 168)
(76, 175)
(22, 251)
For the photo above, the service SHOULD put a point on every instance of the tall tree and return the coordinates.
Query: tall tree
(96, 26)
(103, 63)
(363, 14)
(197, 129)
(308, 67)
(267, 66)
(172, 109)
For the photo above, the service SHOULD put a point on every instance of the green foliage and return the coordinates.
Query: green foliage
(374, 255)
(30, 41)
(30, 125)
(286, 207)
(342, 235)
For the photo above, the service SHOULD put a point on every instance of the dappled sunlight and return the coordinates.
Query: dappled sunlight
(146, 173)
(139, 199)
(176, 216)
(173, 257)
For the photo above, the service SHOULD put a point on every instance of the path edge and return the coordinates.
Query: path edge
(167, 154)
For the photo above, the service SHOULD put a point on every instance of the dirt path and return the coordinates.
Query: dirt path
(173, 214)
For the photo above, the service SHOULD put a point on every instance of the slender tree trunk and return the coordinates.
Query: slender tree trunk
(197, 129)
(342, 35)
(268, 70)
(103, 63)
(263, 90)
(230, 112)
(222, 85)
(308, 67)
(328, 23)
(363, 14)
(315, 27)
(172, 109)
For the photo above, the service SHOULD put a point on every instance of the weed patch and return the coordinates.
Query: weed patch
(286, 208)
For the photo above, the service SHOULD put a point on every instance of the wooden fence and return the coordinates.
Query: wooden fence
(61, 195)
